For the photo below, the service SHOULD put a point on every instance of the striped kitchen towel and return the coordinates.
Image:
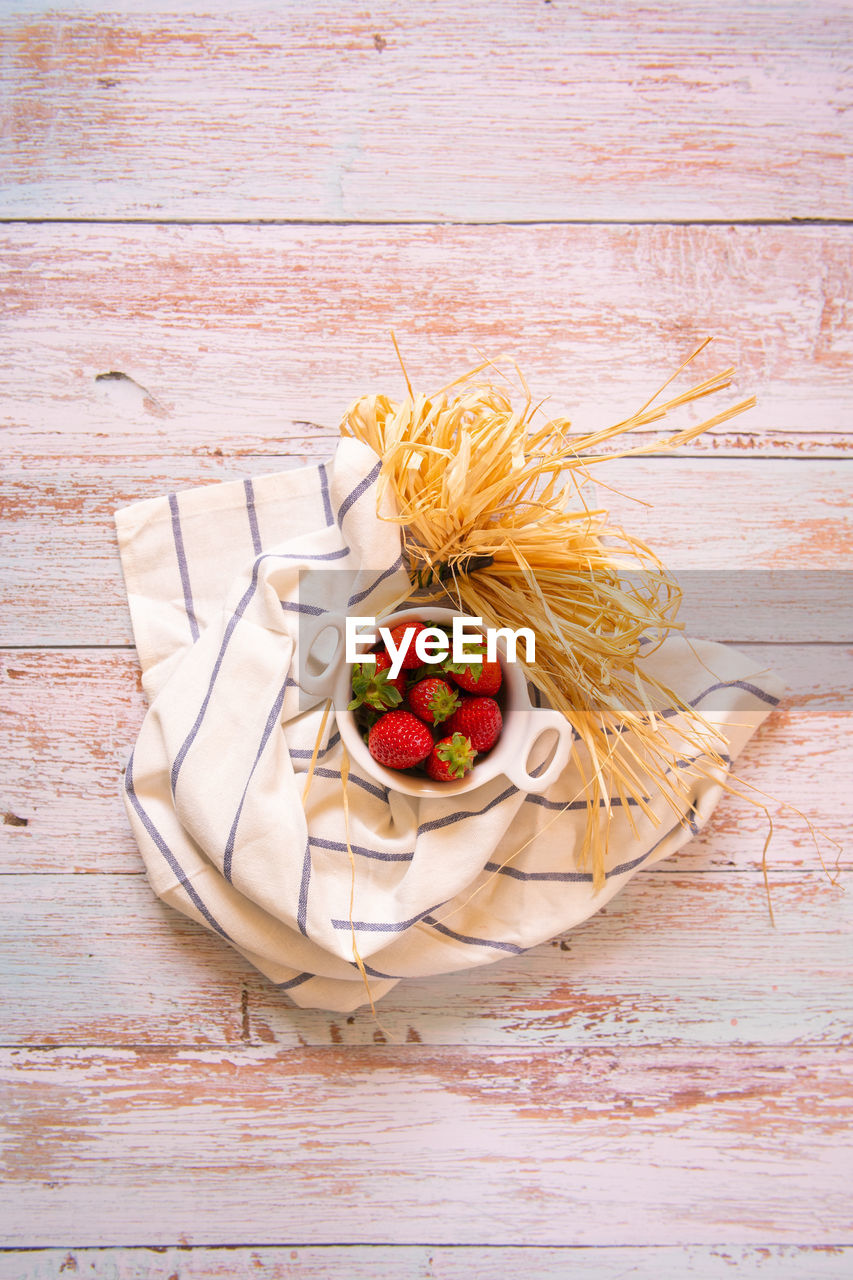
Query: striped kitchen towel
(214, 788)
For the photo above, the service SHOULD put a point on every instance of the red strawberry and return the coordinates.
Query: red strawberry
(480, 720)
(399, 740)
(433, 700)
(372, 687)
(477, 677)
(451, 758)
(383, 663)
(411, 659)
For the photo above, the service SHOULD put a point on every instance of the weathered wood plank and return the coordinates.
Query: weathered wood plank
(676, 959)
(522, 111)
(256, 339)
(79, 948)
(70, 719)
(468, 1147)
(61, 580)
(426, 1262)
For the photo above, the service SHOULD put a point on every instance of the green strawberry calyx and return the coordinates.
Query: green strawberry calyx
(372, 688)
(443, 702)
(457, 754)
(473, 664)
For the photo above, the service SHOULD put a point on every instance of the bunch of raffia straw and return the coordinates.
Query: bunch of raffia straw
(491, 505)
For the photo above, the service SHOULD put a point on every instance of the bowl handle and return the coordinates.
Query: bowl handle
(323, 684)
(541, 721)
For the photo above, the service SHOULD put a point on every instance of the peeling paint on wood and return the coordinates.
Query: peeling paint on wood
(249, 337)
(534, 111)
(740, 1144)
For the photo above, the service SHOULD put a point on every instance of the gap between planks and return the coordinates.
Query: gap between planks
(59, 221)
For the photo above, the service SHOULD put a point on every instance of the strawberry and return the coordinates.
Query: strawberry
(399, 740)
(451, 758)
(383, 663)
(411, 659)
(372, 687)
(477, 676)
(433, 700)
(480, 720)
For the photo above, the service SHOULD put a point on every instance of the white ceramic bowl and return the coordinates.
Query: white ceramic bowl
(523, 724)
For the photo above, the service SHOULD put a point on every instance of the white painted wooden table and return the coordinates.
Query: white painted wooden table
(230, 206)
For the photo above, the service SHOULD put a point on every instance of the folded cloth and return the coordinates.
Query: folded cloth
(214, 787)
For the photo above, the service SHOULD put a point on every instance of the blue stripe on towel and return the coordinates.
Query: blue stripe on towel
(296, 606)
(362, 595)
(382, 926)
(183, 569)
(435, 824)
(585, 877)
(338, 846)
(229, 631)
(302, 909)
(381, 793)
(272, 721)
(304, 555)
(737, 684)
(294, 982)
(253, 516)
(360, 489)
(177, 869)
(324, 490)
(474, 942)
(306, 753)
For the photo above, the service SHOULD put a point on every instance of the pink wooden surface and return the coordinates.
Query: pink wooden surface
(521, 109)
(665, 1091)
